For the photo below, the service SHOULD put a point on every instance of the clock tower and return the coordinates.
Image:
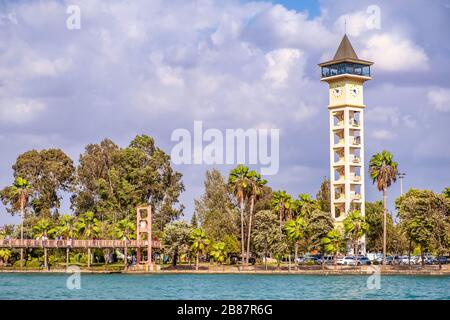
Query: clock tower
(345, 75)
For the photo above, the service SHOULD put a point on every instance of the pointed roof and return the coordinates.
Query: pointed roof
(345, 50)
(345, 53)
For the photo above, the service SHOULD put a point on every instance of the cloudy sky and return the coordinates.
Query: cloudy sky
(154, 66)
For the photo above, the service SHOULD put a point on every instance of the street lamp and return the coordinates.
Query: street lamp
(401, 176)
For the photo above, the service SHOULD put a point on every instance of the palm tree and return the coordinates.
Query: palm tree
(355, 226)
(306, 205)
(296, 230)
(383, 170)
(125, 228)
(333, 243)
(239, 183)
(5, 254)
(43, 228)
(17, 195)
(219, 252)
(87, 225)
(66, 226)
(199, 242)
(280, 202)
(256, 185)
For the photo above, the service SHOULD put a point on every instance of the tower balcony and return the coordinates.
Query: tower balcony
(355, 178)
(354, 159)
(355, 196)
(355, 141)
(354, 123)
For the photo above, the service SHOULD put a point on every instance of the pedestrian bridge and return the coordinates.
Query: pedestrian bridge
(90, 244)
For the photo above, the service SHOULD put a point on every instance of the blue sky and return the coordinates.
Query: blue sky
(154, 66)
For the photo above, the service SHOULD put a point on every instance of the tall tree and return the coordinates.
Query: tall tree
(112, 181)
(215, 210)
(16, 196)
(239, 183)
(256, 185)
(48, 172)
(323, 196)
(383, 171)
(281, 201)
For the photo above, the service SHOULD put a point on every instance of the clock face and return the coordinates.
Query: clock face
(337, 92)
(354, 91)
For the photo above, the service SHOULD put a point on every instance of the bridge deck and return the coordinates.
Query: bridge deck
(29, 243)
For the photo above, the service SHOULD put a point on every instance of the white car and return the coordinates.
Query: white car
(347, 261)
(405, 260)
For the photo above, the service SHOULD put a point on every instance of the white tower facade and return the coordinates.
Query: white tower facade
(346, 74)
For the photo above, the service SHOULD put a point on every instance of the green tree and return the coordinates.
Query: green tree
(16, 196)
(66, 227)
(175, 239)
(374, 215)
(424, 216)
(5, 255)
(112, 181)
(319, 224)
(383, 171)
(323, 196)
(199, 243)
(446, 192)
(266, 234)
(215, 210)
(218, 252)
(296, 231)
(256, 183)
(281, 201)
(87, 225)
(334, 243)
(355, 226)
(43, 228)
(125, 229)
(239, 183)
(48, 172)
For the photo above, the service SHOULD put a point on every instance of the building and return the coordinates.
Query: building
(345, 75)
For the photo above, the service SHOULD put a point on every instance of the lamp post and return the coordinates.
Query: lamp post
(401, 176)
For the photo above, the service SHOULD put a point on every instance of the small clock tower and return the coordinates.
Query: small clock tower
(346, 74)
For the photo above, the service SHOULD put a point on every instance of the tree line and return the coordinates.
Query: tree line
(238, 215)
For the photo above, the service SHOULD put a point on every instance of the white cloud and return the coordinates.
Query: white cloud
(279, 27)
(279, 63)
(389, 116)
(393, 53)
(354, 23)
(440, 99)
(20, 111)
(383, 134)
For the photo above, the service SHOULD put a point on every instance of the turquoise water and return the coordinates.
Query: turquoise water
(222, 286)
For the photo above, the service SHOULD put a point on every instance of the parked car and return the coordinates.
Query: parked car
(347, 261)
(441, 260)
(389, 259)
(363, 260)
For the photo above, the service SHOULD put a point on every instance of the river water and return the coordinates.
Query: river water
(220, 286)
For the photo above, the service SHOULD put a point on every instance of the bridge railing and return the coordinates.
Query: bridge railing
(100, 243)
